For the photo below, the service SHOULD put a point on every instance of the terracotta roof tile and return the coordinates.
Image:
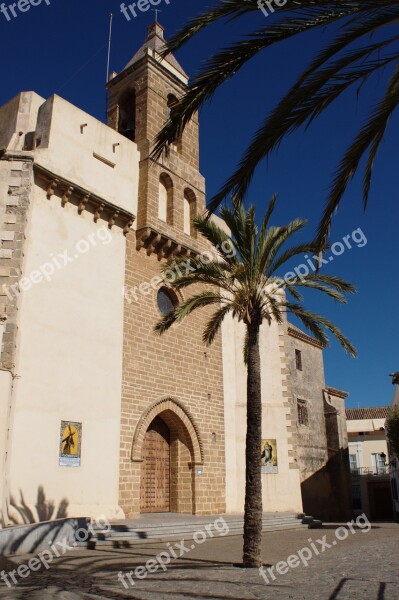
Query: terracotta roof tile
(376, 412)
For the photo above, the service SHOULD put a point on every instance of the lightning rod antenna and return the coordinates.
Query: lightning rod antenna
(111, 17)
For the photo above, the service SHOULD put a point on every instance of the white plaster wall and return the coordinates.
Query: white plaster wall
(18, 117)
(5, 391)
(69, 362)
(355, 426)
(67, 149)
(281, 491)
(364, 449)
(395, 470)
(395, 399)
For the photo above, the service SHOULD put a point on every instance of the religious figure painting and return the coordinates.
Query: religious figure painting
(70, 444)
(268, 456)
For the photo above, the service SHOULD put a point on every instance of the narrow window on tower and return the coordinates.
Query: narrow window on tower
(127, 115)
(171, 102)
(303, 414)
(298, 360)
(165, 199)
(189, 212)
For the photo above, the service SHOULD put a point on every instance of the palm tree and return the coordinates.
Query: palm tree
(349, 59)
(242, 280)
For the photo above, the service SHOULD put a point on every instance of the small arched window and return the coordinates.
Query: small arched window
(171, 102)
(127, 115)
(166, 300)
(189, 212)
(165, 199)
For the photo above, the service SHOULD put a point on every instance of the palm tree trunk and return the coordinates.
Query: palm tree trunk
(252, 556)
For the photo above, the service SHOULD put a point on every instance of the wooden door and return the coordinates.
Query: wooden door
(381, 507)
(155, 469)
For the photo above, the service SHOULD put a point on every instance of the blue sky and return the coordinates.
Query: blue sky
(61, 48)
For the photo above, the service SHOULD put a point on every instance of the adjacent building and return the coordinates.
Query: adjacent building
(321, 436)
(368, 456)
(393, 459)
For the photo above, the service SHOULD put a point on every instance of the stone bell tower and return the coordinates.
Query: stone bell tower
(172, 404)
(171, 189)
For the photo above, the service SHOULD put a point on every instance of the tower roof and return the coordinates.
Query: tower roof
(155, 42)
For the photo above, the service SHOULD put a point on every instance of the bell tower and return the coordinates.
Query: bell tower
(171, 189)
(171, 192)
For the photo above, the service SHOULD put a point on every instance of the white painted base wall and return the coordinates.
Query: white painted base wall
(69, 363)
(281, 491)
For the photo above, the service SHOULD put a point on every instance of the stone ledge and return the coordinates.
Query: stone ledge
(159, 243)
(70, 192)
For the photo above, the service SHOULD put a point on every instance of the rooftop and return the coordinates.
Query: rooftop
(357, 414)
(155, 41)
(295, 332)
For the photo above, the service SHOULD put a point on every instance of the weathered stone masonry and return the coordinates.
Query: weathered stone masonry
(16, 172)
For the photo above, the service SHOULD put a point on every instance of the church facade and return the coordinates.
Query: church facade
(99, 415)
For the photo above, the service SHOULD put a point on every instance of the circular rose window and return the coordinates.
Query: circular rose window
(166, 300)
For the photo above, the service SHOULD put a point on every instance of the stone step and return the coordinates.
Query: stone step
(195, 521)
(190, 525)
(127, 533)
(316, 524)
(128, 542)
(184, 529)
(311, 522)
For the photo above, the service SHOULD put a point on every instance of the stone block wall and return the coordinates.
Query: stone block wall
(15, 184)
(176, 377)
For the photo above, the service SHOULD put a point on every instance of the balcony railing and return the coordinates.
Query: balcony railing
(357, 471)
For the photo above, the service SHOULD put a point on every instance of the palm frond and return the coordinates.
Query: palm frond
(275, 241)
(245, 288)
(287, 255)
(315, 323)
(227, 8)
(221, 242)
(372, 18)
(290, 114)
(215, 323)
(348, 59)
(329, 291)
(333, 280)
(181, 311)
(371, 133)
(229, 61)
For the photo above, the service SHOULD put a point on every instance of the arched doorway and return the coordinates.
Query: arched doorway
(166, 420)
(155, 468)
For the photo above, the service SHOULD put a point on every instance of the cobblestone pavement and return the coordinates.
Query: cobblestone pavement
(365, 566)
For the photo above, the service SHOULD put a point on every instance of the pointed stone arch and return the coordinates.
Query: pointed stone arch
(165, 198)
(127, 117)
(177, 417)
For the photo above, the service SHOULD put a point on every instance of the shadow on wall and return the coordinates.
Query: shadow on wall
(326, 495)
(37, 528)
(45, 509)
